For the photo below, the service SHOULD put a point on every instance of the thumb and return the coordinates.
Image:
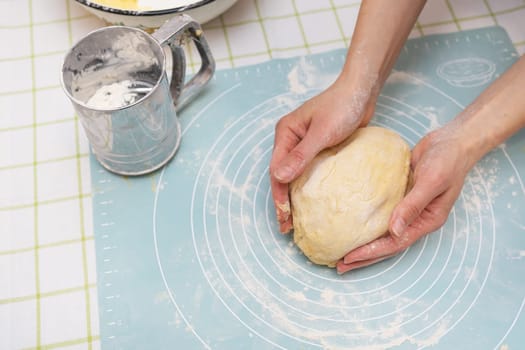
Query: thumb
(294, 163)
(411, 207)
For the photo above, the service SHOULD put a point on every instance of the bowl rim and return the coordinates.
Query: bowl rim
(96, 6)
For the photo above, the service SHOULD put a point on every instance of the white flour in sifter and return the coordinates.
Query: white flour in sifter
(111, 96)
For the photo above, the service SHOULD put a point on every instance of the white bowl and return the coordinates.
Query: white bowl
(158, 12)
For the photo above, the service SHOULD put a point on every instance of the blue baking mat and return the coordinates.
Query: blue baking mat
(190, 257)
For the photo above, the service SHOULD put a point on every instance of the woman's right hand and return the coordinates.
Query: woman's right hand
(332, 116)
(321, 122)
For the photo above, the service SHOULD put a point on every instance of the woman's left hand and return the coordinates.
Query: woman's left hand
(440, 164)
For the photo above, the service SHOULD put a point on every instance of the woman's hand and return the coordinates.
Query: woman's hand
(332, 116)
(442, 159)
(319, 123)
(440, 163)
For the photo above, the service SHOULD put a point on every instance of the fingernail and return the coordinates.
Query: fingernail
(342, 269)
(284, 173)
(398, 227)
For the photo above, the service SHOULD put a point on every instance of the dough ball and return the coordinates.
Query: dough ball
(346, 196)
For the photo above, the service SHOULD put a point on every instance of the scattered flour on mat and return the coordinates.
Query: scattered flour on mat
(303, 80)
(482, 185)
(190, 164)
(513, 254)
(297, 295)
(285, 259)
(480, 188)
(433, 115)
(161, 297)
(327, 295)
(290, 102)
(304, 76)
(231, 182)
(338, 336)
(219, 181)
(293, 314)
(240, 223)
(291, 311)
(265, 123)
(178, 321)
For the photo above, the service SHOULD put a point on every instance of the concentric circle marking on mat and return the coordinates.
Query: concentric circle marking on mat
(281, 286)
(456, 284)
(463, 256)
(154, 219)
(441, 270)
(220, 274)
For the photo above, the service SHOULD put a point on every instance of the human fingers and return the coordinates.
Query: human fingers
(320, 123)
(433, 217)
(425, 188)
(430, 218)
(281, 203)
(281, 175)
(288, 133)
(341, 267)
(435, 213)
(377, 250)
(296, 160)
(382, 247)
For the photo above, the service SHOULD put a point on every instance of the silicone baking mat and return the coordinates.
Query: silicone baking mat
(190, 257)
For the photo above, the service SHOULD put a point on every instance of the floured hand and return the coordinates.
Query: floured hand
(319, 123)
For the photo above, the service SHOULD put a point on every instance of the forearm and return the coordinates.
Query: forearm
(495, 115)
(381, 31)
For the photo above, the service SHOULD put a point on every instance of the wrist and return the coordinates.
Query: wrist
(360, 74)
(360, 96)
(474, 140)
(496, 114)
